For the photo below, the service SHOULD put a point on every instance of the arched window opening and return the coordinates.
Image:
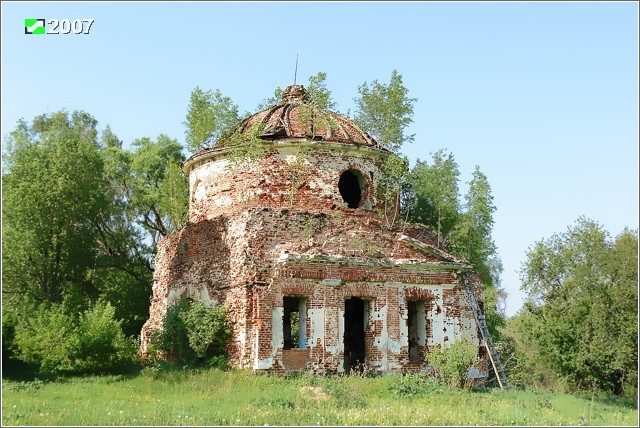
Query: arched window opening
(352, 186)
(198, 197)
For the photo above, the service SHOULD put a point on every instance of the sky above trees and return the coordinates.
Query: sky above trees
(542, 96)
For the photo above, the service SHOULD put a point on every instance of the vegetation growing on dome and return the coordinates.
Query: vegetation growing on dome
(209, 116)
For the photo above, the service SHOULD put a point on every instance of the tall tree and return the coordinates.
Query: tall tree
(125, 258)
(385, 111)
(53, 191)
(393, 188)
(582, 306)
(472, 235)
(174, 197)
(159, 194)
(68, 235)
(435, 190)
(209, 115)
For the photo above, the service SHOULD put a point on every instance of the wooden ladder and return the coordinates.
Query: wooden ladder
(487, 341)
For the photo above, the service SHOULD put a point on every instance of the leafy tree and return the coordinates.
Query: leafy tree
(70, 236)
(175, 196)
(159, 190)
(477, 220)
(125, 259)
(471, 238)
(523, 358)
(385, 111)
(314, 113)
(53, 190)
(318, 93)
(392, 187)
(582, 306)
(435, 190)
(273, 100)
(431, 197)
(209, 115)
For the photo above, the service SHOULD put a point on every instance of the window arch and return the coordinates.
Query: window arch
(353, 188)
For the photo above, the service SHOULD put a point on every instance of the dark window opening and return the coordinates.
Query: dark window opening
(416, 322)
(294, 325)
(349, 186)
(354, 325)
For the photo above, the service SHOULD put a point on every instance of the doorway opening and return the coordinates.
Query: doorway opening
(355, 320)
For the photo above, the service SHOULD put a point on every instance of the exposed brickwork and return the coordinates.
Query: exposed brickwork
(257, 234)
(217, 184)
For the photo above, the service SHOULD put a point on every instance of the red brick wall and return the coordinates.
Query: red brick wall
(249, 259)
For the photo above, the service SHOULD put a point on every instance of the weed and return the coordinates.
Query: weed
(170, 396)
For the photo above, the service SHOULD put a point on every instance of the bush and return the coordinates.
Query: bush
(452, 363)
(522, 358)
(207, 329)
(171, 340)
(44, 339)
(100, 343)
(193, 333)
(91, 342)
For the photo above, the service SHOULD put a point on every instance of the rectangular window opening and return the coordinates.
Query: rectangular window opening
(294, 323)
(417, 323)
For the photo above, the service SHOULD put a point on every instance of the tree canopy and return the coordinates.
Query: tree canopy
(209, 115)
(385, 111)
(582, 307)
(81, 216)
(54, 193)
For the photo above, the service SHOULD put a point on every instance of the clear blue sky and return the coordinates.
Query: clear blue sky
(543, 96)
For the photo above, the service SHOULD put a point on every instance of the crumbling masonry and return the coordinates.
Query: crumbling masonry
(290, 238)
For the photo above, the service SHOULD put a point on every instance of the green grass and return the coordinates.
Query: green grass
(215, 397)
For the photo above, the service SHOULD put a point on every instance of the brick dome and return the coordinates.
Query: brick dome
(296, 118)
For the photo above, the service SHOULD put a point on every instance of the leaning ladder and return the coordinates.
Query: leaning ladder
(486, 336)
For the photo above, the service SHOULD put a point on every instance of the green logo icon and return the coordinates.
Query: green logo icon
(34, 26)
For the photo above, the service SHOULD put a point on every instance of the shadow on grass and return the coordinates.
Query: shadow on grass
(19, 371)
(623, 402)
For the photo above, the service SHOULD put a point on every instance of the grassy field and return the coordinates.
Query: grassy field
(215, 397)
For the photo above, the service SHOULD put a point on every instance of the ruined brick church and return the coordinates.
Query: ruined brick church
(294, 242)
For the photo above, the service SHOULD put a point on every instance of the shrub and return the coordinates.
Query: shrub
(171, 338)
(100, 344)
(451, 364)
(207, 329)
(44, 339)
(89, 342)
(192, 332)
